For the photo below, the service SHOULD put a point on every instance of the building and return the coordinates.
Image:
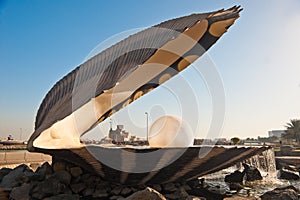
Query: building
(119, 135)
(276, 133)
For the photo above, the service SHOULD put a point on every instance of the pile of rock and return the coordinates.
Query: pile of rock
(286, 193)
(237, 179)
(63, 180)
(288, 169)
(249, 173)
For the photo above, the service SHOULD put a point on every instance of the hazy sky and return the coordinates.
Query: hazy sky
(258, 61)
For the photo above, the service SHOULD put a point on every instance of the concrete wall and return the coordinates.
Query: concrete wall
(17, 157)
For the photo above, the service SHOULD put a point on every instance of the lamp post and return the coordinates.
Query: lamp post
(147, 115)
(21, 133)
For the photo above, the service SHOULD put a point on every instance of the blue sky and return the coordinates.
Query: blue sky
(41, 41)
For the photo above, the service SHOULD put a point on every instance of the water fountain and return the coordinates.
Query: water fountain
(264, 162)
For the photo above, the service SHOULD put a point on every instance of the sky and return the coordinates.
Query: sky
(257, 63)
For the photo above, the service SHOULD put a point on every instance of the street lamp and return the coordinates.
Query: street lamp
(147, 115)
(21, 133)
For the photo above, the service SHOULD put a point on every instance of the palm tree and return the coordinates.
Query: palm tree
(235, 140)
(293, 130)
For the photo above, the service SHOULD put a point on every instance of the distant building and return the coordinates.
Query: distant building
(276, 133)
(250, 142)
(106, 140)
(119, 135)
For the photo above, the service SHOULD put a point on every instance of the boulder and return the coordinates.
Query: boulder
(186, 187)
(20, 193)
(90, 180)
(75, 171)
(193, 183)
(169, 187)
(63, 176)
(116, 198)
(235, 177)
(156, 187)
(116, 190)
(172, 196)
(241, 198)
(25, 178)
(126, 191)
(195, 198)
(59, 166)
(146, 194)
(100, 192)
(3, 172)
(286, 193)
(44, 170)
(12, 179)
(236, 186)
(64, 197)
(288, 175)
(88, 192)
(50, 187)
(77, 187)
(251, 173)
(180, 193)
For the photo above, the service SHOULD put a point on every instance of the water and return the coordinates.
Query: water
(266, 164)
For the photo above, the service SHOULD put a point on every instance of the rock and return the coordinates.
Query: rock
(133, 189)
(169, 187)
(193, 183)
(117, 198)
(240, 198)
(3, 172)
(126, 191)
(100, 192)
(63, 176)
(50, 187)
(156, 187)
(76, 171)
(89, 180)
(235, 177)
(251, 173)
(172, 196)
(20, 193)
(13, 178)
(44, 170)
(235, 186)
(195, 198)
(202, 183)
(288, 175)
(88, 192)
(64, 197)
(59, 166)
(85, 177)
(286, 193)
(78, 187)
(76, 179)
(186, 187)
(146, 194)
(116, 190)
(26, 178)
(180, 193)
(208, 193)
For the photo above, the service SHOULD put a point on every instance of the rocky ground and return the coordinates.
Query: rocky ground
(63, 180)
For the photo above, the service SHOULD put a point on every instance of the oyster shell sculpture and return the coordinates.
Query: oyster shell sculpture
(118, 76)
